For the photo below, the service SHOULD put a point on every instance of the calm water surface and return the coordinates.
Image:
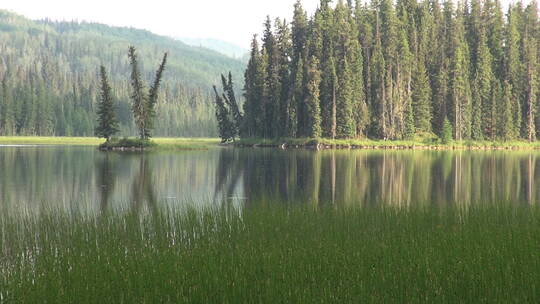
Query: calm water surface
(83, 179)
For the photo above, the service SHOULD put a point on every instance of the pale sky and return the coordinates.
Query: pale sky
(230, 20)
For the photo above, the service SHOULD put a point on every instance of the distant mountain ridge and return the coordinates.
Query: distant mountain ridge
(51, 68)
(223, 47)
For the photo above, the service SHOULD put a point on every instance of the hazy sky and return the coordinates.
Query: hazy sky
(230, 20)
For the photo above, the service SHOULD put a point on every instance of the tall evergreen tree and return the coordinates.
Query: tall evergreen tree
(107, 122)
(230, 100)
(484, 123)
(507, 131)
(7, 109)
(513, 70)
(150, 114)
(421, 98)
(313, 111)
(461, 92)
(225, 124)
(138, 94)
(253, 88)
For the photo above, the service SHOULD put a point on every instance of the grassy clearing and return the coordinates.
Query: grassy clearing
(274, 255)
(37, 140)
(380, 144)
(161, 143)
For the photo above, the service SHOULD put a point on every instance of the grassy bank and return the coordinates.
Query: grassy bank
(160, 143)
(325, 143)
(274, 255)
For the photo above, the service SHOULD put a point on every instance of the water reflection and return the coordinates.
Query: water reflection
(36, 178)
(380, 177)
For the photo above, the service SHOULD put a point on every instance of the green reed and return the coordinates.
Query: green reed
(274, 255)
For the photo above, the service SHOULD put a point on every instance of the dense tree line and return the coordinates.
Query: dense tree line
(393, 70)
(49, 78)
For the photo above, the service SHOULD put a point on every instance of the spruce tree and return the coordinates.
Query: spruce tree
(226, 126)
(143, 103)
(483, 87)
(138, 95)
(297, 110)
(107, 124)
(313, 111)
(513, 70)
(150, 113)
(421, 98)
(285, 51)
(461, 92)
(230, 100)
(253, 93)
(8, 109)
(507, 118)
(328, 98)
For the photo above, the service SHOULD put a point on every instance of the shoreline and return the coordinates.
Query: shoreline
(162, 143)
(328, 144)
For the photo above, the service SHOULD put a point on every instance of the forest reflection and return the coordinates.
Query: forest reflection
(400, 178)
(74, 179)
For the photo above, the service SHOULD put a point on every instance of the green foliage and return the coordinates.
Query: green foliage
(58, 77)
(223, 117)
(143, 103)
(313, 110)
(396, 70)
(127, 143)
(230, 120)
(274, 255)
(107, 122)
(446, 135)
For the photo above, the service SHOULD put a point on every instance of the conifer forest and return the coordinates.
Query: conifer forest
(50, 84)
(386, 70)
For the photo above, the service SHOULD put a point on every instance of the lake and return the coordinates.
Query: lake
(82, 179)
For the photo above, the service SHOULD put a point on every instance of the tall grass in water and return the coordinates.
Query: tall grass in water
(274, 254)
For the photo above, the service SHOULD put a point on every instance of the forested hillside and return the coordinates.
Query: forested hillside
(392, 70)
(217, 45)
(49, 78)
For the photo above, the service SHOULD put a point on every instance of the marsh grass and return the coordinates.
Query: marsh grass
(274, 255)
(158, 143)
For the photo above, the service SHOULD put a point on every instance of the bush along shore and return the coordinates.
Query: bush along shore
(129, 144)
(321, 144)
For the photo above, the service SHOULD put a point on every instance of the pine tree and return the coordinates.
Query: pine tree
(328, 98)
(7, 111)
(225, 125)
(150, 112)
(230, 101)
(446, 132)
(461, 92)
(253, 88)
(378, 88)
(529, 45)
(107, 122)
(297, 109)
(138, 95)
(313, 111)
(421, 98)
(143, 103)
(285, 50)
(513, 70)
(272, 90)
(507, 118)
(484, 123)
